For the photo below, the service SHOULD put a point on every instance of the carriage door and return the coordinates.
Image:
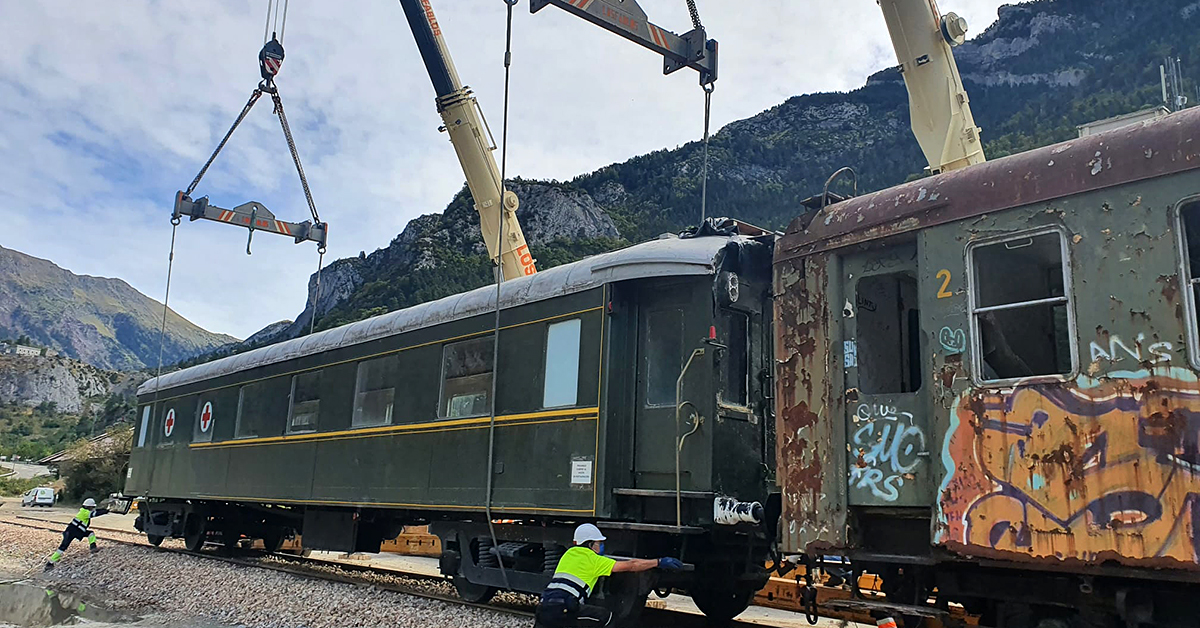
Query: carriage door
(887, 413)
(668, 330)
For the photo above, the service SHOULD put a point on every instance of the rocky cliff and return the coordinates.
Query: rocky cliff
(67, 383)
(101, 321)
(440, 254)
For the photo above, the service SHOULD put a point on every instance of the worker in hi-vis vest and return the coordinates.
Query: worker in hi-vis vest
(563, 603)
(79, 528)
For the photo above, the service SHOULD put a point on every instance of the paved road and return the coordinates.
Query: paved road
(26, 470)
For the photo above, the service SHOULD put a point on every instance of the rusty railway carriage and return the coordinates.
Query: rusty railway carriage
(987, 383)
(346, 435)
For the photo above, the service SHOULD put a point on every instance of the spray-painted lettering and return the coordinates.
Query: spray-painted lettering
(887, 449)
(1118, 350)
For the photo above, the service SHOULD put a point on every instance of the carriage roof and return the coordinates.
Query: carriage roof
(1124, 155)
(657, 258)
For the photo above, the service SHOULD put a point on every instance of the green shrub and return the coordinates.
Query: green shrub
(13, 486)
(95, 469)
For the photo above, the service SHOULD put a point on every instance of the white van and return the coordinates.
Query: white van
(41, 496)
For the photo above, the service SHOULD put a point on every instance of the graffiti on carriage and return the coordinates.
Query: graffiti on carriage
(1088, 470)
(888, 446)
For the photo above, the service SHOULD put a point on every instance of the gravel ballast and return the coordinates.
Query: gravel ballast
(183, 589)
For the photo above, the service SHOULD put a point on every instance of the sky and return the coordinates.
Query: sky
(108, 108)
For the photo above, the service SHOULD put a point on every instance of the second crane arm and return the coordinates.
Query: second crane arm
(463, 121)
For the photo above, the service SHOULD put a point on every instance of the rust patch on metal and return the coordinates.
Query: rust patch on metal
(1170, 287)
(1095, 162)
(1077, 472)
(813, 515)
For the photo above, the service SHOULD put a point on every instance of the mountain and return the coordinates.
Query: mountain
(1041, 69)
(69, 385)
(47, 403)
(101, 321)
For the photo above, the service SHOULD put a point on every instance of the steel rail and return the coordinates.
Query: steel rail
(669, 617)
(299, 572)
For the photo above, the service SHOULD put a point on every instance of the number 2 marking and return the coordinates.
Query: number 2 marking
(944, 275)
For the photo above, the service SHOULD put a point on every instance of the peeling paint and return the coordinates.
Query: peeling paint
(1077, 471)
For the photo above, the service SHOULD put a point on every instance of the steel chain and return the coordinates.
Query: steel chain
(708, 90)
(287, 133)
(691, 4)
(245, 110)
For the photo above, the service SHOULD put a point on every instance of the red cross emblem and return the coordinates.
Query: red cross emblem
(169, 424)
(206, 416)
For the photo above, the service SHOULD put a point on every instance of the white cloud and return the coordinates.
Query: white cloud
(106, 109)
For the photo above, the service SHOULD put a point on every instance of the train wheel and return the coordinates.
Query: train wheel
(154, 539)
(195, 532)
(471, 592)
(625, 596)
(721, 602)
(273, 541)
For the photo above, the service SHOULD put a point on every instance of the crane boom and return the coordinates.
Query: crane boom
(463, 121)
(937, 100)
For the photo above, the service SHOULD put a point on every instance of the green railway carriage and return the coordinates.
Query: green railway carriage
(347, 434)
(987, 384)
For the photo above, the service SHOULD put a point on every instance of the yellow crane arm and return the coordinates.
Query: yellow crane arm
(463, 120)
(938, 104)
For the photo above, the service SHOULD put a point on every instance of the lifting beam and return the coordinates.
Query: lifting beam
(625, 18)
(252, 215)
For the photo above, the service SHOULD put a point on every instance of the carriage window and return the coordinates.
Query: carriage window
(467, 378)
(202, 425)
(1021, 308)
(374, 392)
(306, 402)
(664, 355)
(888, 330)
(145, 426)
(735, 360)
(1190, 215)
(562, 364)
(254, 411)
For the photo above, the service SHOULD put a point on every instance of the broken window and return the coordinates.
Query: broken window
(888, 334)
(1189, 215)
(306, 402)
(735, 359)
(561, 382)
(467, 378)
(1021, 309)
(664, 356)
(374, 392)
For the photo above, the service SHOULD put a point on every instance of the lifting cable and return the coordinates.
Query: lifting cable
(491, 471)
(708, 90)
(270, 59)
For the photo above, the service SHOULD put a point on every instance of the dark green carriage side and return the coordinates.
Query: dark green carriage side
(347, 435)
(425, 456)
(606, 449)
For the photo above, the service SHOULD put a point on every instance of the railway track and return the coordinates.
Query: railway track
(380, 578)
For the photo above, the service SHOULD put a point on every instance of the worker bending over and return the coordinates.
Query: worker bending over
(563, 602)
(79, 528)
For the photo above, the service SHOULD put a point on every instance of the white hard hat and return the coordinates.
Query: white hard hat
(89, 503)
(587, 532)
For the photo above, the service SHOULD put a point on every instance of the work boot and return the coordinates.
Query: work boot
(49, 566)
(94, 549)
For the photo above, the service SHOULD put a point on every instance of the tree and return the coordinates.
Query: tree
(96, 469)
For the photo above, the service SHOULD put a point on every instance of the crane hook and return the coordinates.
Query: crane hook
(270, 59)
